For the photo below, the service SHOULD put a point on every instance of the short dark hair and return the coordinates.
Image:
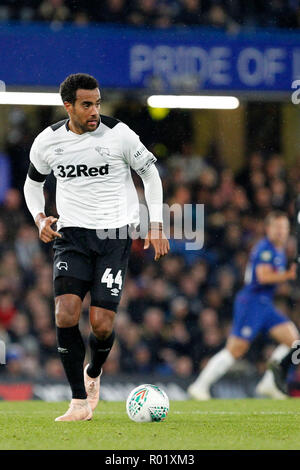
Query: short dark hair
(75, 82)
(274, 215)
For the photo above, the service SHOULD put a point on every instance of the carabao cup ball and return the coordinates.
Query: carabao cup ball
(147, 403)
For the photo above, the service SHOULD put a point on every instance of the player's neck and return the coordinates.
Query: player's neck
(74, 128)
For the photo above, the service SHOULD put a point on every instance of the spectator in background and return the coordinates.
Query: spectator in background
(81, 19)
(27, 246)
(129, 340)
(183, 367)
(142, 359)
(53, 11)
(217, 18)
(20, 333)
(153, 333)
(280, 197)
(19, 138)
(188, 163)
(12, 213)
(279, 14)
(53, 370)
(113, 11)
(7, 309)
(11, 280)
(262, 201)
(190, 13)
(4, 241)
(254, 163)
(222, 14)
(14, 363)
(143, 13)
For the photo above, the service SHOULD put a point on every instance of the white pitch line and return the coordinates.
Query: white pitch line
(195, 412)
(200, 412)
(240, 412)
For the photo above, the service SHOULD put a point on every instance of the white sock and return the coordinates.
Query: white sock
(217, 366)
(279, 352)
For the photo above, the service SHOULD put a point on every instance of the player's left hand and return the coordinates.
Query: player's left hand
(159, 241)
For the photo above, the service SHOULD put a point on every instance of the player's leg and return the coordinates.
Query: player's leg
(101, 341)
(246, 325)
(109, 275)
(72, 275)
(71, 347)
(284, 332)
(101, 338)
(217, 366)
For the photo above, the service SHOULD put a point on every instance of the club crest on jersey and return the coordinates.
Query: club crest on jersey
(103, 151)
(58, 151)
(246, 331)
(266, 255)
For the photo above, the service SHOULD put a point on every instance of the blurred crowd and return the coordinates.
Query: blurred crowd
(227, 15)
(175, 313)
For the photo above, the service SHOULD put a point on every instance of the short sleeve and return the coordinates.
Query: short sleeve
(37, 159)
(135, 153)
(264, 256)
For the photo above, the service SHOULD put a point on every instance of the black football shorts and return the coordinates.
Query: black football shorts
(95, 261)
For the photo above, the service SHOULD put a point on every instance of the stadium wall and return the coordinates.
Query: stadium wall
(234, 385)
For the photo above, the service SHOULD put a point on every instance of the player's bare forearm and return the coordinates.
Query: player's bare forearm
(43, 223)
(157, 238)
(267, 276)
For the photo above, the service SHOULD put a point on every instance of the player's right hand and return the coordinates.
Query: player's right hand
(159, 241)
(46, 233)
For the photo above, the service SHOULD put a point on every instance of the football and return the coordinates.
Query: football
(147, 403)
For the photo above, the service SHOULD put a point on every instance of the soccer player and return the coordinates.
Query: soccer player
(254, 312)
(91, 156)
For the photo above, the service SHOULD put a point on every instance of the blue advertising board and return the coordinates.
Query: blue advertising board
(162, 60)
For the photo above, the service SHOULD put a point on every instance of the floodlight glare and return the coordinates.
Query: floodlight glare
(193, 102)
(25, 98)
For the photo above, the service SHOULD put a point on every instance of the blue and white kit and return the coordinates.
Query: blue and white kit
(254, 311)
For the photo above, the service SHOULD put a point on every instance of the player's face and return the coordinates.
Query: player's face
(85, 112)
(278, 230)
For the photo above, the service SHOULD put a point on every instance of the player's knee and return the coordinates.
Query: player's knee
(102, 328)
(102, 332)
(237, 349)
(102, 321)
(65, 319)
(237, 353)
(66, 314)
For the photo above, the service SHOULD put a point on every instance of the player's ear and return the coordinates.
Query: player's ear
(68, 106)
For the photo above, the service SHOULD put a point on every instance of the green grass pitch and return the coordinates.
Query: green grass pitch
(190, 425)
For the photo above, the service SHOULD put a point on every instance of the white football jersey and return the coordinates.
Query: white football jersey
(94, 184)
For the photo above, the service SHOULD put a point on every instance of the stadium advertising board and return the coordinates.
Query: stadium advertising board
(191, 60)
